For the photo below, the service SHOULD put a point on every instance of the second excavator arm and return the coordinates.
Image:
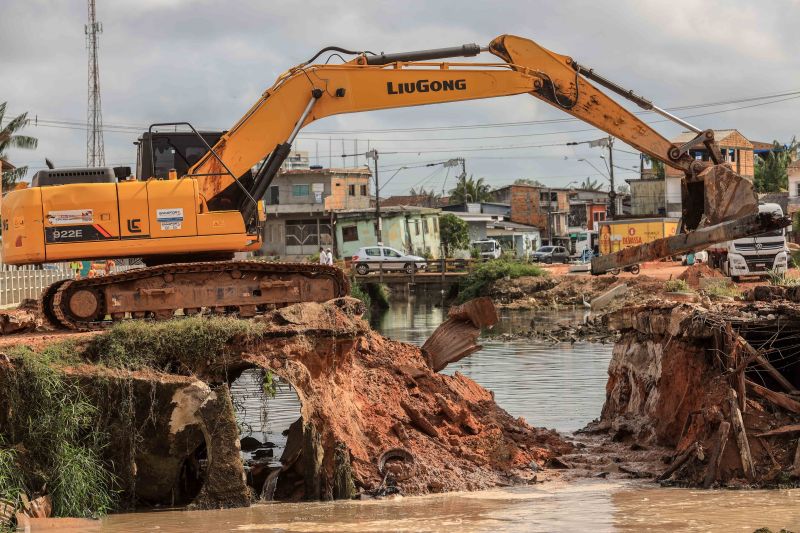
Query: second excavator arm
(714, 194)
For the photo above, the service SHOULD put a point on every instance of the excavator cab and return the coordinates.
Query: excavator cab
(160, 152)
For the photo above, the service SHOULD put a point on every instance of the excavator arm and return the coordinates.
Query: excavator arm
(309, 92)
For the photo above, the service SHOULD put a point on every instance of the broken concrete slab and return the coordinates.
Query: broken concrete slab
(608, 296)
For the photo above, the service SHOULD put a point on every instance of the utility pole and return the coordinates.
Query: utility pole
(612, 195)
(95, 151)
(373, 154)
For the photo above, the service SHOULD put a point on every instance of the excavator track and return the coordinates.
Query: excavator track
(241, 288)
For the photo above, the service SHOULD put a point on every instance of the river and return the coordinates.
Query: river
(557, 386)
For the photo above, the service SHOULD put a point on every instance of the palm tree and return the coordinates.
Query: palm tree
(426, 198)
(470, 190)
(10, 139)
(590, 185)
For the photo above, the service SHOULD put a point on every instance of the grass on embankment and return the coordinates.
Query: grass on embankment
(52, 437)
(477, 282)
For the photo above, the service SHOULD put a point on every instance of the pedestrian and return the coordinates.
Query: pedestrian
(323, 257)
(330, 256)
(75, 266)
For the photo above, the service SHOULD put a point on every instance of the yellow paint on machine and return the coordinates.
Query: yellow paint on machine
(616, 235)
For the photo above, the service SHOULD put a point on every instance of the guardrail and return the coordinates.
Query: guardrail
(429, 270)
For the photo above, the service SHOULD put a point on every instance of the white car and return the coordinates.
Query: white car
(382, 257)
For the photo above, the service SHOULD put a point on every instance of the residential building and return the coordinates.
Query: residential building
(489, 220)
(736, 150)
(648, 196)
(300, 207)
(587, 207)
(544, 207)
(409, 229)
(296, 160)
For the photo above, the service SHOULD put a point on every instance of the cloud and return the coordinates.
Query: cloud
(207, 62)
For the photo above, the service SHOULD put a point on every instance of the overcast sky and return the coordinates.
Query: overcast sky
(207, 61)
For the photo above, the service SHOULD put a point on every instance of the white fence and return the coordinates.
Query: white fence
(20, 283)
(17, 284)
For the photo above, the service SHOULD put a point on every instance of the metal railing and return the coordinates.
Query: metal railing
(427, 270)
(26, 282)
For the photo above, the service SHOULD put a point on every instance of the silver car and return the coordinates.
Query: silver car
(382, 257)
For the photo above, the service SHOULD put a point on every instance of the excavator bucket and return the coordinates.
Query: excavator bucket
(719, 205)
(727, 196)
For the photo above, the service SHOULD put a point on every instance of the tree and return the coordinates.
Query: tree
(528, 181)
(590, 185)
(656, 165)
(470, 190)
(454, 233)
(771, 173)
(426, 198)
(10, 139)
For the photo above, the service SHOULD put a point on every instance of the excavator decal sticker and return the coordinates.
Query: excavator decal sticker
(423, 86)
(61, 234)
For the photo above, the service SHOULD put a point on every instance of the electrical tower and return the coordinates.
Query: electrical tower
(95, 152)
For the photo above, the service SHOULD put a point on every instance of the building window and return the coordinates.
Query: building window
(416, 227)
(435, 226)
(300, 190)
(274, 195)
(598, 216)
(797, 187)
(363, 190)
(424, 225)
(308, 233)
(350, 233)
(351, 190)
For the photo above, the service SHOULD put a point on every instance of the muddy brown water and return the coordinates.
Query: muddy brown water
(559, 386)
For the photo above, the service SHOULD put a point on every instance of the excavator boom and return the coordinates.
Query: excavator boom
(713, 193)
(185, 226)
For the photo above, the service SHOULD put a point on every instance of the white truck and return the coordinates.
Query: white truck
(488, 249)
(752, 256)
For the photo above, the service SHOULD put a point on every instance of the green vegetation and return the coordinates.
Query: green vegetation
(470, 190)
(52, 432)
(723, 288)
(479, 279)
(794, 260)
(9, 138)
(358, 292)
(780, 278)
(453, 233)
(162, 345)
(269, 384)
(771, 173)
(677, 285)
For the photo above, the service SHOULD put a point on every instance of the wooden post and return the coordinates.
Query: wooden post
(741, 436)
(712, 470)
(796, 464)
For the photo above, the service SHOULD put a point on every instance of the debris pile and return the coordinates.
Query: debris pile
(719, 388)
(697, 272)
(377, 417)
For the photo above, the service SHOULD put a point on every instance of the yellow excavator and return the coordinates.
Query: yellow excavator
(196, 197)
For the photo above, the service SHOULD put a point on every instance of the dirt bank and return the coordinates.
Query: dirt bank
(376, 417)
(716, 387)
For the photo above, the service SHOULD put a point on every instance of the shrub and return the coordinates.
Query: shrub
(478, 280)
(676, 285)
(780, 278)
(162, 345)
(722, 288)
(57, 426)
